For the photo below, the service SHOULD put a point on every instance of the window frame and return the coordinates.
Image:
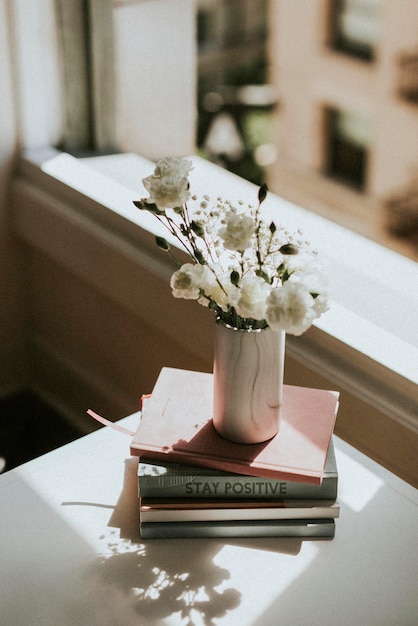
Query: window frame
(85, 37)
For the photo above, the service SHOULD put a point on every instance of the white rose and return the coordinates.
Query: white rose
(253, 297)
(237, 232)
(290, 308)
(188, 280)
(168, 186)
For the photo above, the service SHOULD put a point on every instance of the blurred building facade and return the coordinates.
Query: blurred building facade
(347, 76)
(321, 99)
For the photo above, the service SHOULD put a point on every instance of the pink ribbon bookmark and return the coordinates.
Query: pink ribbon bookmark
(106, 422)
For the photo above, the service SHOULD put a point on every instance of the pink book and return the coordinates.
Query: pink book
(176, 425)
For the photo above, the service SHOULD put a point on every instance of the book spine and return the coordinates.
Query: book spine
(213, 515)
(315, 529)
(232, 486)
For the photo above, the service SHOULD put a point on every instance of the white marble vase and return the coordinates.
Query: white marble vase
(248, 383)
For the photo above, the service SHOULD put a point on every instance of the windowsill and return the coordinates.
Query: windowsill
(367, 342)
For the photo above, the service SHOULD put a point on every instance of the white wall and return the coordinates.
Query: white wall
(30, 115)
(155, 49)
(36, 72)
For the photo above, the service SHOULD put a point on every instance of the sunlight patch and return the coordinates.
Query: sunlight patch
(362, 485)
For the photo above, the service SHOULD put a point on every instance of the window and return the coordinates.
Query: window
(355, 27)
(347, 140)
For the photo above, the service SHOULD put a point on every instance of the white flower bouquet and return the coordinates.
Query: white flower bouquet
(253, 274)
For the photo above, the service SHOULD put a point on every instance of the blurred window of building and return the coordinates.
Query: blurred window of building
(354, 27)
(205, 27)
(234, 98)
(347, 142)
(407, 77)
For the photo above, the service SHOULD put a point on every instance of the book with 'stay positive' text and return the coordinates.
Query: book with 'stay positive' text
(176, 425)
(157, 479)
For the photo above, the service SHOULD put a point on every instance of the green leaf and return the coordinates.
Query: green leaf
(148, 206)
(272, 228)
(140, 204)
(262, 193)
(283, 273)
(212, 305)
(262, 274)
(162, 243)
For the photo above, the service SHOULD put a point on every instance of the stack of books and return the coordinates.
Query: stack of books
(194, 483)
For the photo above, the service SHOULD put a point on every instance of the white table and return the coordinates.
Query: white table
(70, 552)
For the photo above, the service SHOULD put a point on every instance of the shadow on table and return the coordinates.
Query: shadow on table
(162, 577)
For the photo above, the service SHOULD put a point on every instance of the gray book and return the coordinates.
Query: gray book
(313, 528)
(175, 480)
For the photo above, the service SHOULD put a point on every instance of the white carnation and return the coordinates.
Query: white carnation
(252, 302)
(173, 165)
(290, 308)
(168, 186)
(220, 290)
(318, 287)
(188, 280)
(237, 232)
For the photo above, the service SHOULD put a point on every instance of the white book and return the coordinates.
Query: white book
(195, 510)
